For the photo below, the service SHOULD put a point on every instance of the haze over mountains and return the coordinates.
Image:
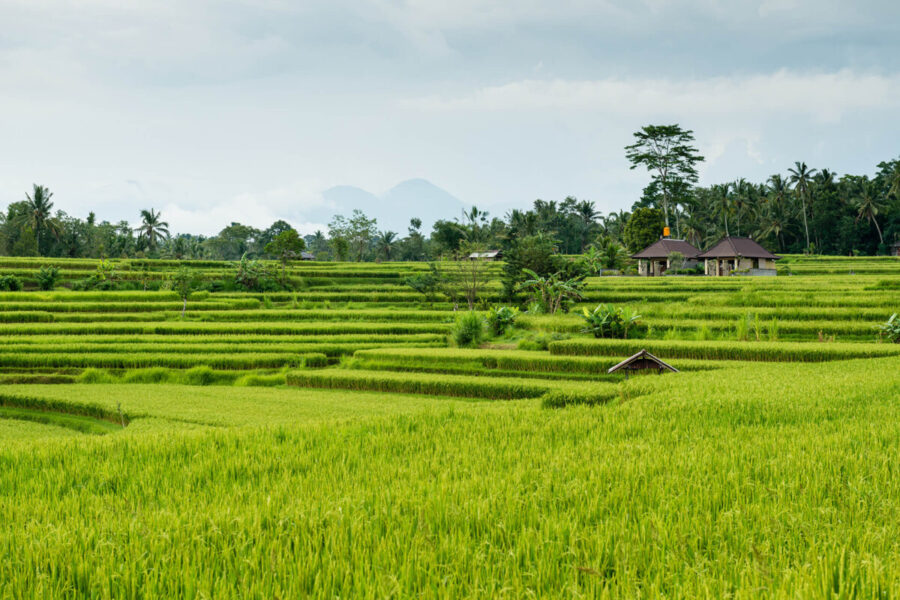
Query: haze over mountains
(393, 208)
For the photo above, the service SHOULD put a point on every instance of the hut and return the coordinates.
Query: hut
(489, 255)
(642, 362)
(894, 249)
(738, 255)
(307, 256)
(654, 259)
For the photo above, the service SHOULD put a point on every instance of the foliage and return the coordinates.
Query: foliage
(667, 152)
(643, 228)
(501, 318)
(286, 246)
(253, 276)
(47, 277)
(182, 284)
(890, 330)
(427, 283)
(10, 283)
(608, 321)
(553, 292)
(468, 330)
(536, 253)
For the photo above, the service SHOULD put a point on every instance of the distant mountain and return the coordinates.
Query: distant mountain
(394, 208)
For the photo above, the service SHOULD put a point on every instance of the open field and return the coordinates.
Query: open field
(331, 441)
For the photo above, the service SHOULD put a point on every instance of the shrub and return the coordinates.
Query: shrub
(469, 330)
(502, 318)
(891, 329)
(10, 283)
(47, 277)
(608, 321)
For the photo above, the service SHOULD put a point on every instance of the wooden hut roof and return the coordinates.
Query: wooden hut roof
(663, 247)
(642, 355)
(732, 247)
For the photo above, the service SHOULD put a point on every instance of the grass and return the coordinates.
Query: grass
(327, 442)
(741, 490)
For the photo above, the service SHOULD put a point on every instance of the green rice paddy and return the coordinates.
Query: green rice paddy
(330, 442)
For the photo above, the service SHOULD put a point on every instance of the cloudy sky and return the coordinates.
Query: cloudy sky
(247, 110)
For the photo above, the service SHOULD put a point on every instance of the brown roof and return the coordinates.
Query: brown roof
(663, 247)
(643, 354)
(731, 247)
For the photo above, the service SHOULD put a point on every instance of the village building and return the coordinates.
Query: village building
(894, 249)
(655, 259)
(642, 362)
(490, 255)
(738, 255)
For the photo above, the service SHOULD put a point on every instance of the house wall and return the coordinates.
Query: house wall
(747, 266)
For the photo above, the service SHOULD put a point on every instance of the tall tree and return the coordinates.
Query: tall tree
(38, 215)
(867, 204)
(723, 205)
(666, 151)
(386, 243)
(152, 228)
(801, 176)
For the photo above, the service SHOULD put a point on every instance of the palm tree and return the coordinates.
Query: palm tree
(386, 242)
(867, 205)
(723, 202)
(152, 228)
(589, 215)
(801, 177)
(38, 215)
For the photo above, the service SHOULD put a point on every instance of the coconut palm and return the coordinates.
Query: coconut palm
(867, 204)
(386, 243)
(588, 214)
(801, 176)
(723, 202)
(152, 228)
(38, 213)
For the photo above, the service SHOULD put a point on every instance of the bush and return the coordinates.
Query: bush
(502, 318)
(608, 321)
(891, 329)
(541, 341)
(47, 277)
(10, 283)
(469, 330)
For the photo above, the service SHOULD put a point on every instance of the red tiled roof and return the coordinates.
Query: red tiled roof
(732, 247)
(663, 247)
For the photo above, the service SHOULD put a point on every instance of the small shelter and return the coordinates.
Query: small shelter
(654, 259)
(738, 255)
(643, 361)
(307, 256)
(489, 255)
(894, 249)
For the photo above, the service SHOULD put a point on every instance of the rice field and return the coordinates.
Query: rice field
(333, 442)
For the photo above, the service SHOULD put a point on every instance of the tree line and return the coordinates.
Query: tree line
(801, 210)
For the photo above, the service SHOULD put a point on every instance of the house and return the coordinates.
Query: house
(654, 259)
(489, 255)
(738, 255)
(307, 256)
(643, 361)
(894, 249)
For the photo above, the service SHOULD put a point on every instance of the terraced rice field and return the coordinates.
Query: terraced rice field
(331, 441)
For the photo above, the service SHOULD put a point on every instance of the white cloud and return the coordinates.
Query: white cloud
(826, 96)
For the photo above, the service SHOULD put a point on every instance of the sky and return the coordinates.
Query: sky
(248, 110)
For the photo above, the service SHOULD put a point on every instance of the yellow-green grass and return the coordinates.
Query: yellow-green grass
(779, 482)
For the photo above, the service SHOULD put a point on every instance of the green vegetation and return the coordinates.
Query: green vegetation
(339, 432)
